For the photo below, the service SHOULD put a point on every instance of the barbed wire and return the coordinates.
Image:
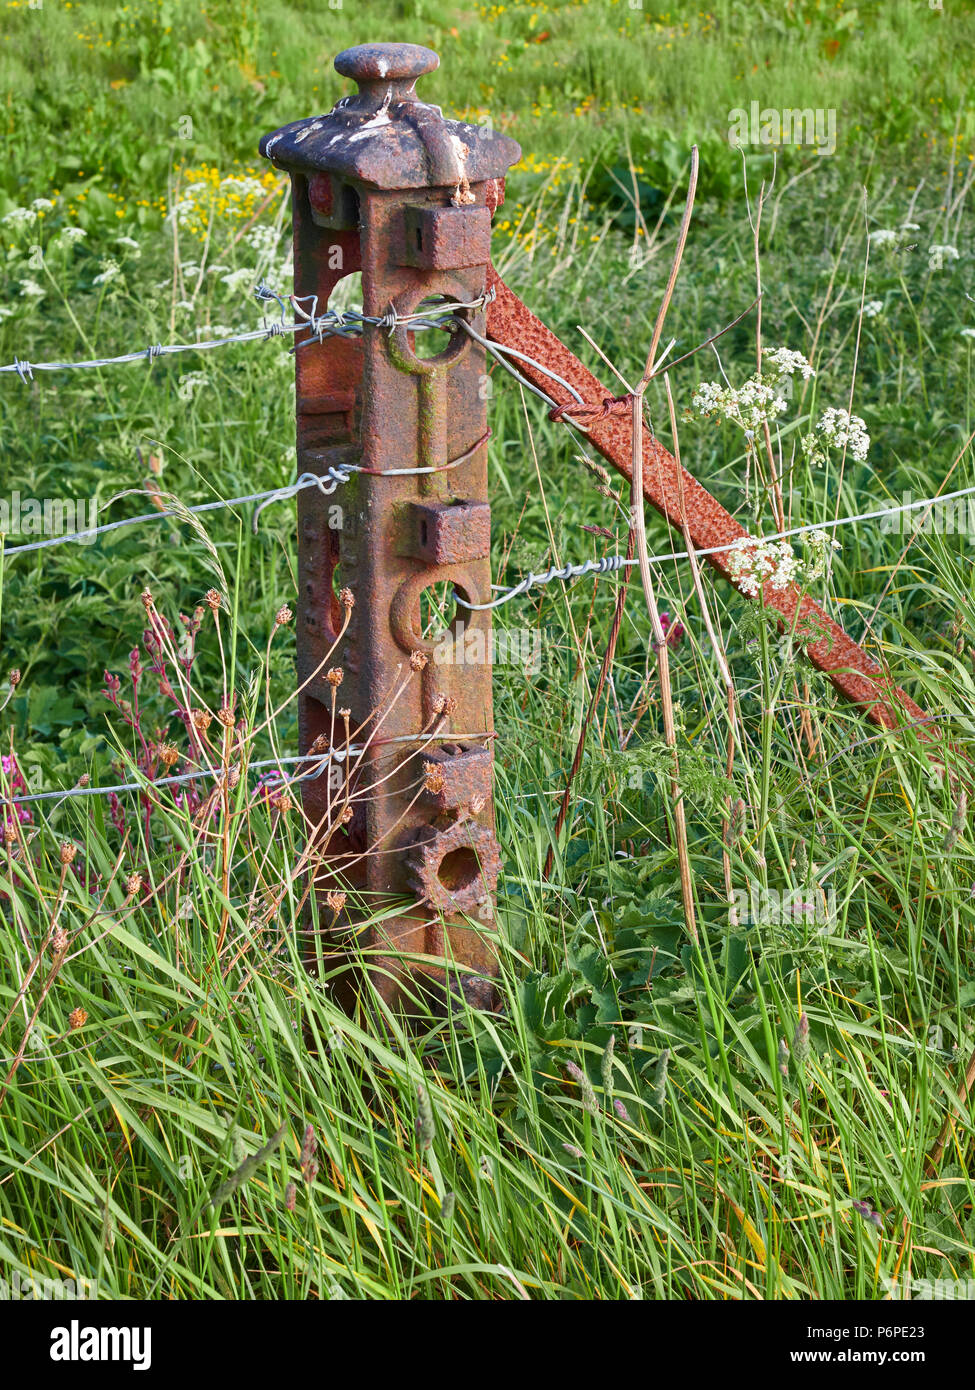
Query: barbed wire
(610, 563)
(319, 326)
(328, 755)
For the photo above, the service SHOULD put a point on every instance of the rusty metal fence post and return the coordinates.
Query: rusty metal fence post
(386, 186)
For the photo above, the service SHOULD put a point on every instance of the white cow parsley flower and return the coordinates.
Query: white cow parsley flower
(752, 563)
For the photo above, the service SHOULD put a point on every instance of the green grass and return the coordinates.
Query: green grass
(708, 1148)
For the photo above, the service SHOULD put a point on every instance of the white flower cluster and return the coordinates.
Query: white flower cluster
(785, 362)
(819, 544)
(873, 308)
(749, 406)
(109, 270)
(837, 429)
(760, 399)
(968, 332)
(752, 563)
(886, 239)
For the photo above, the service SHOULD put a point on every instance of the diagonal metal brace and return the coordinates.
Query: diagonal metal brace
(682, 500)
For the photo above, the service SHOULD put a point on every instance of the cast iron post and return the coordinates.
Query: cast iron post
(385, 185)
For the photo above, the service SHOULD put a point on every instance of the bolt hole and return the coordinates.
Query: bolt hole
(458, 869)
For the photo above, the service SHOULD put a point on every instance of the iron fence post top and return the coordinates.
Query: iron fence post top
(384, 136)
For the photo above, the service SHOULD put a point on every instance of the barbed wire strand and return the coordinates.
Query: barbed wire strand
(610, 563)
(319, 326)
(339, 755)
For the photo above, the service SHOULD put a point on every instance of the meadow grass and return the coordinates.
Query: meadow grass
(185, 1113)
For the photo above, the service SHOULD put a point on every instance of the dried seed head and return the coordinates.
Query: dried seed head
(335, 677)
(133, 884)
(434, 780)
(283, 616)
(59, 942)
(444, 704)
(201, 720)
(477, 805)
(147, 599)
(346, 815)
(226, 717)
(425, 1130)
(67, 852)
(800, 1040)
(14, 678)
(335, 900)
(320, 745)
(418, 660)
(345, 714)
(77, 1018)
(214, 599)
(233, 775)
(9, 833)
(168, 754)
(347, 599)
(282, 803)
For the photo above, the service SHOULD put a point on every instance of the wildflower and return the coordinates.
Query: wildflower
(751, 405)
(42, 205)
(77, 1018)
(69, 235)
(968, 332)
(866, 1211)
(939, 254)
(237, 279)
(621, 1110)
(20, 217)
(425, 1130)
(787, 363)
(109, 270)
(673, 630)
(873, 308)
(752, 562)
(883, 238)
(30, 289)
(819, 544)
(130, 245)
(837, 429)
